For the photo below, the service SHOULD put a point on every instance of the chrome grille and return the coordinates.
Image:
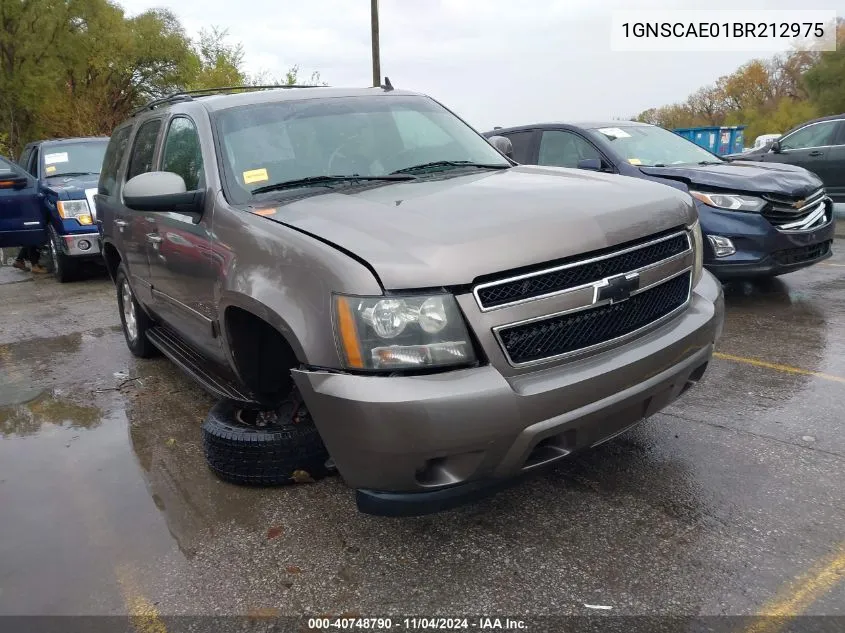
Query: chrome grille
(798, 214)
(551, 281)
(556, 336)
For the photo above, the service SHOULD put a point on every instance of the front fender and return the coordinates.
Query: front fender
(285, 278)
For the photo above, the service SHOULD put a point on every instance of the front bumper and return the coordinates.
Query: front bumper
(80, 244)
(761, 249)
(419, 444)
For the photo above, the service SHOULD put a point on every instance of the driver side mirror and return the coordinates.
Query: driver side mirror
(775, 147)
(162, 191)
(593, 164)
(503, 144)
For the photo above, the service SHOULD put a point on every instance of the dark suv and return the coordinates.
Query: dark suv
(760, 219)
(367, 284)
(817, 145)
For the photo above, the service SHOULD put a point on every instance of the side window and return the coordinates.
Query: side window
(816, 135)
(417, 130)
(112, 159)
(182, 154)
(564, 149)
(141, 160)
(521, 142)
(24, 160)
(32, 165)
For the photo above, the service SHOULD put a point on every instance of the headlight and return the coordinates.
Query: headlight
(731, 201)
(75, 209)
(407, 332)
(698, 245)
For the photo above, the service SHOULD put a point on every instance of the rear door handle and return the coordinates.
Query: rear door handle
(152, 238)
(121, 223)
(816, 153)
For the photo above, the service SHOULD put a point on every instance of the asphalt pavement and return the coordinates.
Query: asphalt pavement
(732, 501)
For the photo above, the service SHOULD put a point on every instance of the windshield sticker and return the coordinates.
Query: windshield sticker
(615, 132)
(635, 161)
(255, 175)
(59, 157)
(50, 169)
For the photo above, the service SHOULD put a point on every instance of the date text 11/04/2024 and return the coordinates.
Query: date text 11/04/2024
(415, 623)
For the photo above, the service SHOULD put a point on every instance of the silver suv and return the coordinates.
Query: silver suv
(368, 284)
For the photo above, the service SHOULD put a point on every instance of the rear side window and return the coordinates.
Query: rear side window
(182, 154)
(564, 149)
(521, 142)
(815, 135)
(143, 150)
(111, 161)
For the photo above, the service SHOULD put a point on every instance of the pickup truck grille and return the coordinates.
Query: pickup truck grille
(549, 281)
(813, 211)
(554, 336)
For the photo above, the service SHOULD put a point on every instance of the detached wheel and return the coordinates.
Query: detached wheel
(264, 448)
(134, 320)
(65, 269)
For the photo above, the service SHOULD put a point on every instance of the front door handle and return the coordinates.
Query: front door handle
(815, 153)
(121, 223)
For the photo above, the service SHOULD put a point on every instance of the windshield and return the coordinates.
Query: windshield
(652, 146)
(73, 158)
(277, 142)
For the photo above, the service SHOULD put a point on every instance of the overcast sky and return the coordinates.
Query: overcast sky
(494, 62)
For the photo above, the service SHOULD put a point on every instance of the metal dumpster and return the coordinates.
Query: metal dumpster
(720, 140)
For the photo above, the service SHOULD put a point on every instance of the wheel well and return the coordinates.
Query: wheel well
(112, 258)
(262, 355)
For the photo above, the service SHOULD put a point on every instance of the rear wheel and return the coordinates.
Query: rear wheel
(134, 320)
(65, 269)
(265, 448)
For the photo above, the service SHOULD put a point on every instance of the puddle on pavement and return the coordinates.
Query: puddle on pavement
(28, 418)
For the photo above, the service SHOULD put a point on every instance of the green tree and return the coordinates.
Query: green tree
(217, 62)
(825, 81)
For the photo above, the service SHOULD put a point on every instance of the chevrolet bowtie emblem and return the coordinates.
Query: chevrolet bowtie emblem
(616, 289)
(799, 204)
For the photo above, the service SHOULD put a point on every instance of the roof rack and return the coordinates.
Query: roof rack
(188, 95)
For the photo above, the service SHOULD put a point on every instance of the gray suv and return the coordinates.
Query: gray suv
(369, 285)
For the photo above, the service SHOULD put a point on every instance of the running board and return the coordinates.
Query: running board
(199, 368)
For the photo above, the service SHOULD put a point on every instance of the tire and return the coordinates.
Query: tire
(288, 450)
(134, 321)
(65, 269)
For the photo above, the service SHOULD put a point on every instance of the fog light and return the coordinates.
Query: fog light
(83, 245)
(722, 246)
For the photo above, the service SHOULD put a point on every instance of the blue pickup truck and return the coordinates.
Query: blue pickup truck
(61, 175)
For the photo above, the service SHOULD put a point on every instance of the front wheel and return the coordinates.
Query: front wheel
(65, 269)
(134, 320)
(265, 448)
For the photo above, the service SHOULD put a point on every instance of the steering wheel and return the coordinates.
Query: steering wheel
(341, 153)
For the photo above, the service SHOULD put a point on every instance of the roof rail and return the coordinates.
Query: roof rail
(188, 95)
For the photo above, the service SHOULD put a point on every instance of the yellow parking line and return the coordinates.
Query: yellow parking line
(801, 593)
(778, 367)
(143, 614)
(836, 265)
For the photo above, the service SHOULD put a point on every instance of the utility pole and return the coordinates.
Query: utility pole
(374, 31)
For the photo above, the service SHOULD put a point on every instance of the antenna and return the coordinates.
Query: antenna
(387, 85)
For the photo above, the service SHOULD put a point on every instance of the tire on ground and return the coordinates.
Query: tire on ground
(287, 451)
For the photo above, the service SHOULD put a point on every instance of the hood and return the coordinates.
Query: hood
(744, 176)
(450, 230)
(71, 187)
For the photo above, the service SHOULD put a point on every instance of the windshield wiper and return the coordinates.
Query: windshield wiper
(710, 162)
(73, 173)
(327, 180)
(450, 163)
